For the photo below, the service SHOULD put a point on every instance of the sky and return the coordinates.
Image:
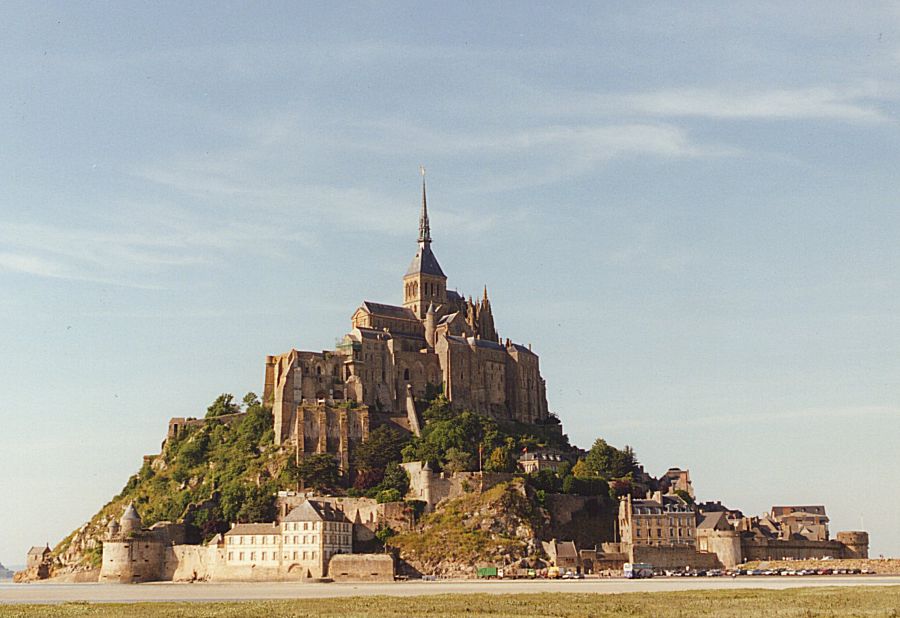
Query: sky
(690, 210)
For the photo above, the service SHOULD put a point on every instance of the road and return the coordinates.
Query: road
(199, 592)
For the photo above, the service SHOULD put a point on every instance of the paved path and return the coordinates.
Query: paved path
(167, 591)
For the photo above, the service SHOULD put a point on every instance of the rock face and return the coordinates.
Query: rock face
(5, 573)
(500, 527)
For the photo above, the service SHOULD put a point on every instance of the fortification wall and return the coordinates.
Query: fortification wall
(178, 424)
(664, 557)
(132, 561)
(431, 487)
(184, 563)
(361, 568)
(726, 544)
(856, 544)
(777, 549)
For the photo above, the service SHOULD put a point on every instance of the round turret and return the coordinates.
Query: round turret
(112, 529)
(430, 325)
(855, 542)
(130, 522)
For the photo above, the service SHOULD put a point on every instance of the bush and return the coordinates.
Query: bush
(388, 495)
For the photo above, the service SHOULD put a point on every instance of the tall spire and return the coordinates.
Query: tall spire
(424, 226)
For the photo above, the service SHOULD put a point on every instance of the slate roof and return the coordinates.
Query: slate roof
(38, 551)
(486, 343)
(447, 318)
(714, 521)
(370, 333)
(316, 511)
(566, 549)
(389, 311)
(253, 529)
(781, 511)
(424, 262)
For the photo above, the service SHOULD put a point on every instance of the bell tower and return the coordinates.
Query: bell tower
(424, 282)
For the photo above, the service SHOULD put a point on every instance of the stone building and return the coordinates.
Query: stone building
(535, 462)
(792, 533)
(663, 520)
(807, 522)
(37, 564)
(676, 479)
(131, 554)
(436, 340)
(302, 544)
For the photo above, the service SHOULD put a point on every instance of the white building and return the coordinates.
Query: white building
(306, 540)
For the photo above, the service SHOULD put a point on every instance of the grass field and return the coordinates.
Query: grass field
(800, 602)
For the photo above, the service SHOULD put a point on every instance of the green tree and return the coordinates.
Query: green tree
(501, 460)
(319, 472)
(608, 462)
(250, 399)
(383, 447)
(457, 460)
(581, 486)
(224, 404)
(192, 452)
(439, 410)
(396, 478)
(388, 495)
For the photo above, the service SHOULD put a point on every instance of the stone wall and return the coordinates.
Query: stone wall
(178, 424)
(777, 549)
(666, 557)
(726, 544)
(361, 568)
(133, 560)
(431, 487)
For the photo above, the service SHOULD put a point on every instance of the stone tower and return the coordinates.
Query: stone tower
(130, 522)
(424, 282)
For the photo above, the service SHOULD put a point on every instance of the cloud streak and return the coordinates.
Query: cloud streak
(773, 416)
(853, 104)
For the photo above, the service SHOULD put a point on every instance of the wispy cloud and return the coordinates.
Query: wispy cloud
(816, 103)
(770, 416)
(858, 103)
(130, 252)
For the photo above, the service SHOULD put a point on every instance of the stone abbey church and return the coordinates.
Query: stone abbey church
(396, 356)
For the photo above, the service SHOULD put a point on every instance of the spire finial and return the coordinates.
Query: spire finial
(424, 226)
(485, 293)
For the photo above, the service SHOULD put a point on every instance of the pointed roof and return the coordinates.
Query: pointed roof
(37, 550)
(424, 226)
(130, 513)
(424, 263)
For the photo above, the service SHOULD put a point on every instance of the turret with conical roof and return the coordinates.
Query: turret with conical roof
(130, 522)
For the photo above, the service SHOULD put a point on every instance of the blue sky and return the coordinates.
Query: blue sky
(690, 211)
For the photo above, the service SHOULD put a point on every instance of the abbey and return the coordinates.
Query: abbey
(396, 355)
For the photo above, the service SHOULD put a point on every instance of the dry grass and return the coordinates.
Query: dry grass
(799, 602)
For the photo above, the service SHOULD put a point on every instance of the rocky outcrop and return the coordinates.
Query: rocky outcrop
(501, 527)
(5, 573)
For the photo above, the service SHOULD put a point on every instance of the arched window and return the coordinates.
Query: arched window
(318, 370)
(406, 374)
